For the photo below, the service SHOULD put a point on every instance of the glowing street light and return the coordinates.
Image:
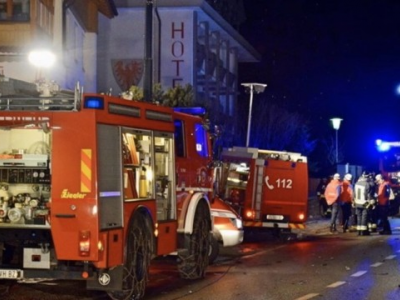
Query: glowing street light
(254, 87)
(41, 59)
(336, 125)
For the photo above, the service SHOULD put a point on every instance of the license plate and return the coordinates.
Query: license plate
(11, 274)
(274, 217)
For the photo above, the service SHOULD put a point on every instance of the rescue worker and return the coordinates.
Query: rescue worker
(332, 194)
(346, 199)
(324, 208)
(363, 197)
(372, 211)
(383, 193)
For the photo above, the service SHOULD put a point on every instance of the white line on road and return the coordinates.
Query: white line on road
(336, 284)
(390, 257)
(376, 264)
(359, 273)
(309, 296)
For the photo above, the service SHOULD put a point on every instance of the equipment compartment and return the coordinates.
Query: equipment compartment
(24, 177)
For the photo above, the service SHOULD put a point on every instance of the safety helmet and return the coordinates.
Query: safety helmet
(348, 176)
(378, 177)
(336, 176)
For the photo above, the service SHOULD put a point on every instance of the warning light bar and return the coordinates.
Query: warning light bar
(383, 146)
(196, 111)
(93, 102)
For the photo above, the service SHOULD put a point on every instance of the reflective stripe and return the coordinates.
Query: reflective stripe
(86, 170)
(193, 189)
(361, 227)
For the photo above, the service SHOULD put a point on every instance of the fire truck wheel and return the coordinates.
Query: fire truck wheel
(138, 251)
(214, 250)
(193, 262)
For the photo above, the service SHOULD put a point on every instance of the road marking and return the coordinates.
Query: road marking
(336, 284)
(359, 273)
(309, 296)
(390, 257)
(376, 264)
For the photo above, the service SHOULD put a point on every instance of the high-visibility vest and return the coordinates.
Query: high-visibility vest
(383, 193)
(362, 192)
(347, 192)
(333, 191)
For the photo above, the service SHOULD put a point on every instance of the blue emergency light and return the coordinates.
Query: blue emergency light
(196, 111)
(382, 146)
(93, 102)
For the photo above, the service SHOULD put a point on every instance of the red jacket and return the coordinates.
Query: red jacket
(383, 193)
(333, 191)
(347, 192)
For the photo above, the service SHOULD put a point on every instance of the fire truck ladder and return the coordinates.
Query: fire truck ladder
(17, 95)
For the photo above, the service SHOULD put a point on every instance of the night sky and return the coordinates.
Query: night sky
(330, 59)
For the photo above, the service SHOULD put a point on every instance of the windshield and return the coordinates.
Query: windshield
(391, 161)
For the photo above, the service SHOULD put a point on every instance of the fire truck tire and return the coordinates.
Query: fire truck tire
(214, 250)
(193, 262)
(138, 250)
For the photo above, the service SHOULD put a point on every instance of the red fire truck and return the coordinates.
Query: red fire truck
(389, 166)
(93, 187)
(268, 188)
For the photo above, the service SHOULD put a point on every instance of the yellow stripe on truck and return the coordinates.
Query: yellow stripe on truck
(86, 170)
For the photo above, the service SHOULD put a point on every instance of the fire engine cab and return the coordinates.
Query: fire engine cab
(268, 188)
(93, 187)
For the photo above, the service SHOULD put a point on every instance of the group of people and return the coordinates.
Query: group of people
(367, 200)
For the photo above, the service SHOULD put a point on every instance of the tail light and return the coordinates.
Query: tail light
(84, 243)
(301, 216)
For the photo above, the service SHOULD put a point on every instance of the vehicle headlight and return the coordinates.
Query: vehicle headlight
(237, 223)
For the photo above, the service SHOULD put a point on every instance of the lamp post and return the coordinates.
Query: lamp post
(336, 125)
(254, 87)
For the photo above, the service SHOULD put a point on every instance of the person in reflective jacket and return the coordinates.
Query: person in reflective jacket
(332, 194)
(324, 209)
(363, 198)
(346, 199)
(383, 193)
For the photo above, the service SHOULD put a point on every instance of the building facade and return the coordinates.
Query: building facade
(101, 44)
(65, 27)
(191, 44)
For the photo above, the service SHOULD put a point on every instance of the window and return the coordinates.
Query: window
(201, 140)
(391, 161)
(138, 165)
(179, 139)
(14, 10)
(164, 175)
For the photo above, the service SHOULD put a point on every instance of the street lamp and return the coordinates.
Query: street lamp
(336, 125)
(41, 59)
(254, 87)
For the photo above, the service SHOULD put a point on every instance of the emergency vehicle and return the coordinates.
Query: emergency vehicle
(389, 167)
(227, 228)
(93, 187)
(268, 188)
